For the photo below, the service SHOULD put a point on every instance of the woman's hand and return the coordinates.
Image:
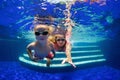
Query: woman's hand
(69, 61)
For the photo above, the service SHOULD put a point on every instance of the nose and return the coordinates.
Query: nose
(40, 35)
(61, 41)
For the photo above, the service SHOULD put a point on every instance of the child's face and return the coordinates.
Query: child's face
(60, 41)
(41, 32)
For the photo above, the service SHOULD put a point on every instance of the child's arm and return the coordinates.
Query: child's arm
(30, 53)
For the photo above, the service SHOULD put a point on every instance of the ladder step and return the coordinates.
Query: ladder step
(82, 48)
(78, 57)
(87, 51)
(78, 53)
(78, 43)
(22, 59)
(75, 59)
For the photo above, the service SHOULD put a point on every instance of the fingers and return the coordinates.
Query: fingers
(36, 59)
(63, 61)
(72, 64)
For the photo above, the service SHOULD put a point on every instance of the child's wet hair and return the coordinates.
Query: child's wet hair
(44, 20)
(48, 20)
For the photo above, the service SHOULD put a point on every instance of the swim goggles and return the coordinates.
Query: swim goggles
(42, 33)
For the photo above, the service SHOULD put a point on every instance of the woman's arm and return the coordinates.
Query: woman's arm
(68, 45)
(68, 54)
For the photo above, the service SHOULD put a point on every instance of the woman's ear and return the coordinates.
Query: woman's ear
(55, 38)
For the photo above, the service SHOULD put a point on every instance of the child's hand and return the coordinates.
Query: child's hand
(69, 61)
(36, 59)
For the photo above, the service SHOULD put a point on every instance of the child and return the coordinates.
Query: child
(41, 48)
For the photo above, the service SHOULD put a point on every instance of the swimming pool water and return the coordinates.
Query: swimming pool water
(14, 71)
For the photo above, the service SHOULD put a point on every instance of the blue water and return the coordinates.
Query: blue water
(14, 71)
(92, 23)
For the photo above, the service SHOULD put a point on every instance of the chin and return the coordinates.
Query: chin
(42, 40)
(60, 45)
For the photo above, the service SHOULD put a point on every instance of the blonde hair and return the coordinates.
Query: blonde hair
(52, 38)
(57, 32)
(48, 27)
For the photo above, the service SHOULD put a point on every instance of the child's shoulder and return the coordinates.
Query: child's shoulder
(31, 45)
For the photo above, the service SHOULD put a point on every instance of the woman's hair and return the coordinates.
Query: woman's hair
(52, 38)
(59, 30)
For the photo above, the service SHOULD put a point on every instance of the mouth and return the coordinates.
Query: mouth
(41, 39)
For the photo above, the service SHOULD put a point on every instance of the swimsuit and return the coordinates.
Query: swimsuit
(50, 55)
(56, 47)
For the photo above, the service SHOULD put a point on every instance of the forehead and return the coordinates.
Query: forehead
(60, 36)
(41, 27)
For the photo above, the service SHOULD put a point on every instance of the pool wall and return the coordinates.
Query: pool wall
(111, 51)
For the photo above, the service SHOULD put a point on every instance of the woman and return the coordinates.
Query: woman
(61, 42)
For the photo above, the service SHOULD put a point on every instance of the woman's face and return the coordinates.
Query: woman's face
(60, 40)
(41, 32)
